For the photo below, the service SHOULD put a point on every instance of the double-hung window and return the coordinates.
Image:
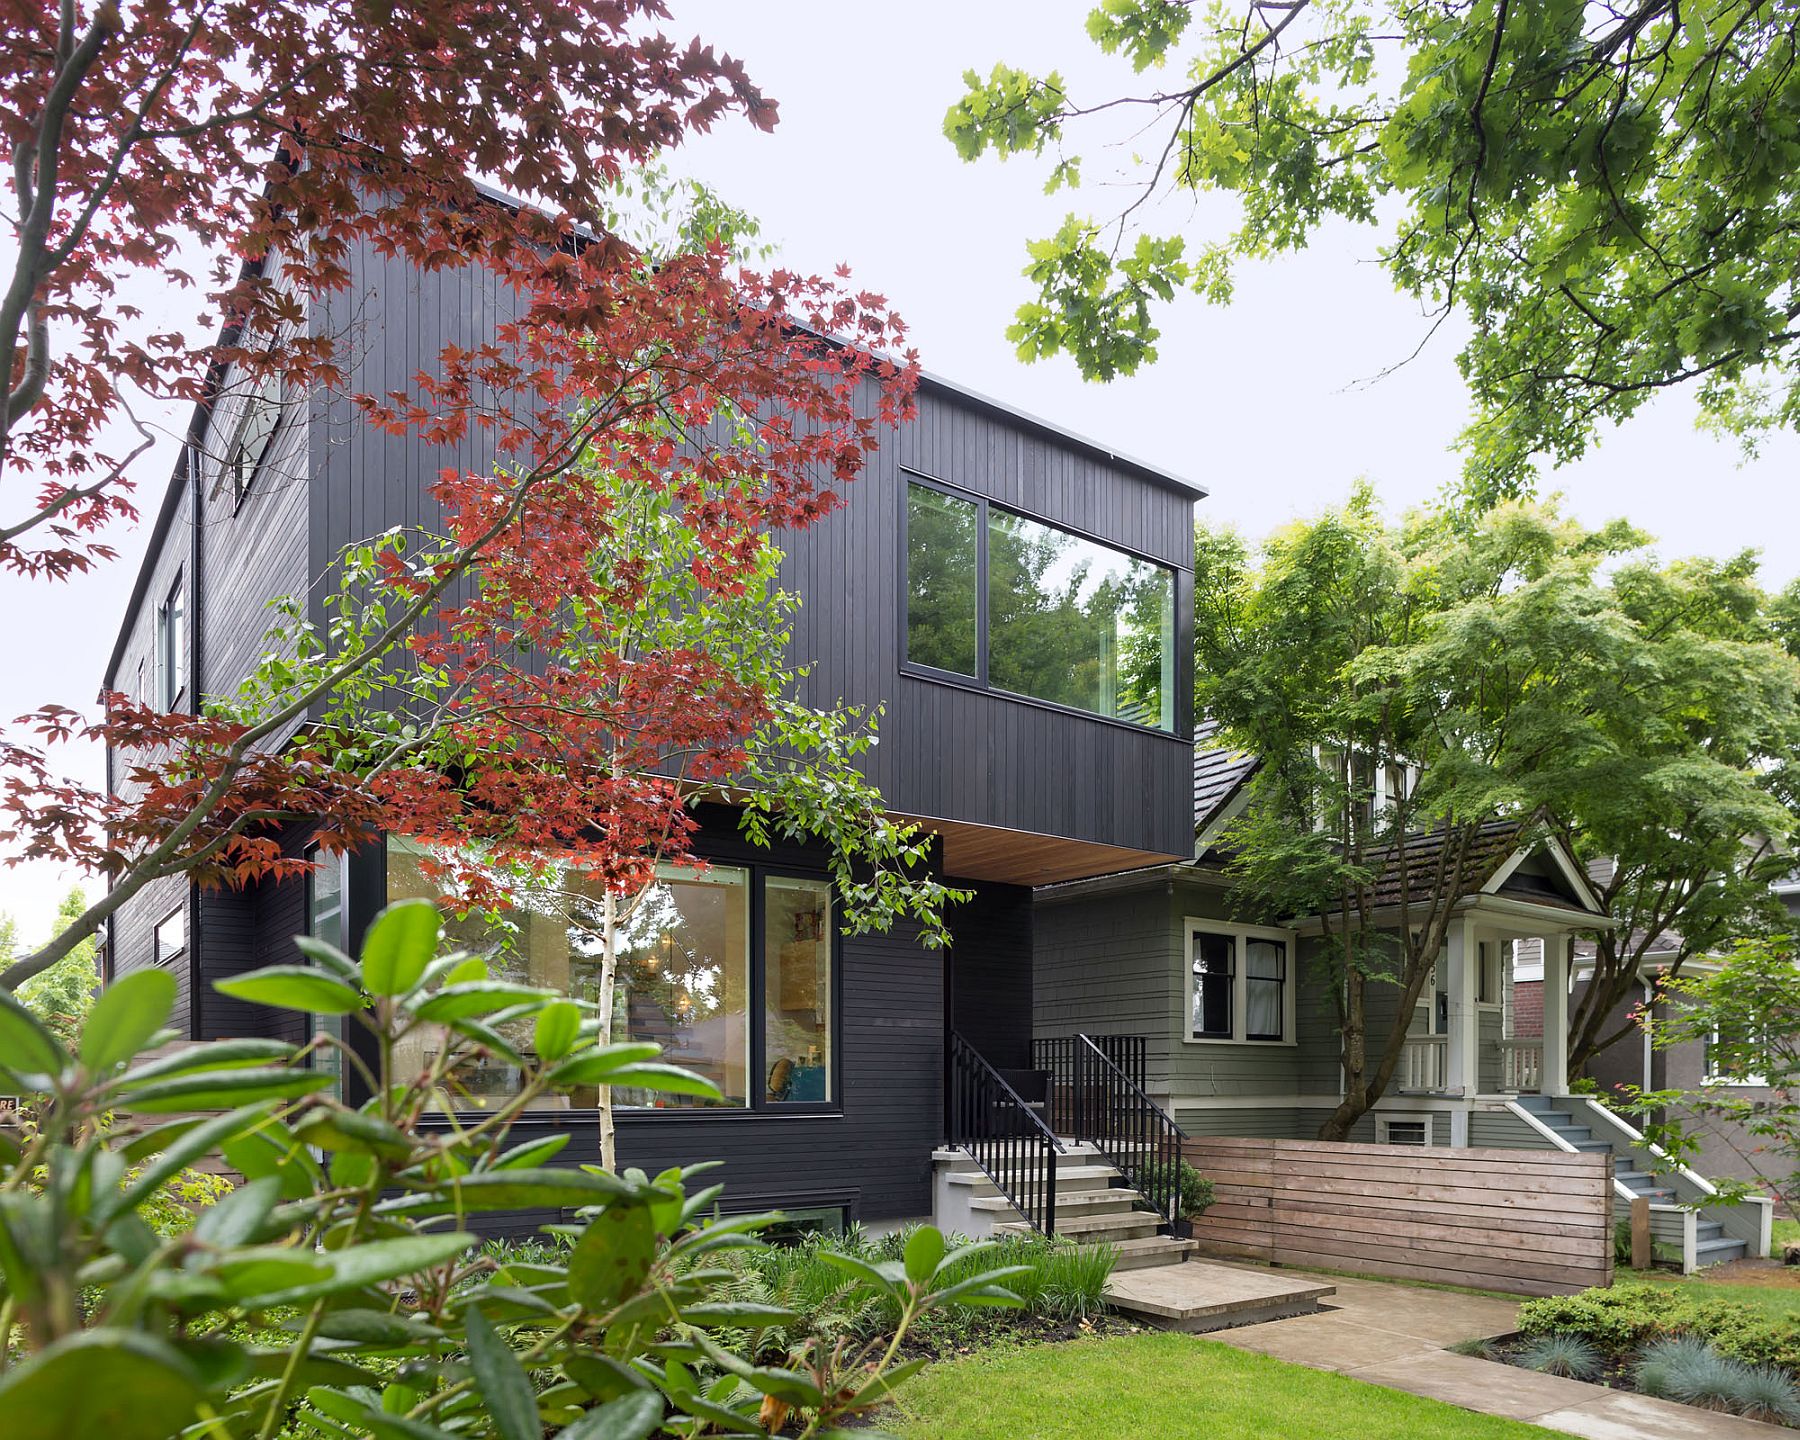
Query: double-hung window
(1020, 606)
(1240, 984)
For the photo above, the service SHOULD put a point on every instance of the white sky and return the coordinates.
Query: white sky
(1263, 403)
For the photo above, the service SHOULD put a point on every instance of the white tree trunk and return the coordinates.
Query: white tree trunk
(609, 961)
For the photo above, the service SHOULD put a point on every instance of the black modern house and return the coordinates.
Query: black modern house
(1017, 597)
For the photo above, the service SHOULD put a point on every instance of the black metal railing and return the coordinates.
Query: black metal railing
(1003, 1134)
(1096, 1095)
(1056, 1056)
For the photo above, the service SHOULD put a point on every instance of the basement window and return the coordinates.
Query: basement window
(1403, 1130)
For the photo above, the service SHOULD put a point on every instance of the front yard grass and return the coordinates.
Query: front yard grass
(1775, 1292)
(1152, 1386)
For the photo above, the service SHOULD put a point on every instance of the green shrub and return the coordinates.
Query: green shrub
(1193, 1191)
(343, 1295)
(1053, 1279)
(1627, 1317)
(1561, 1354)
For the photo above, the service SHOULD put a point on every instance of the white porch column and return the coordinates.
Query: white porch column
(1462, 985)
(1555, 1079)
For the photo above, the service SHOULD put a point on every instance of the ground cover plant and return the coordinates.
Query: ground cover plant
(349, 1295)
(1692, 1342)
(1161, 1384)
(1060, 1286)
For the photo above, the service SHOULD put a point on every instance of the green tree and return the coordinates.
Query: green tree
(1746, 1012)
(1685, 816)
(1605, 194)
(1516, 667)
(62, 995)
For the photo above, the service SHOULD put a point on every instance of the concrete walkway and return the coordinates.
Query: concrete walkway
(1395, 1335)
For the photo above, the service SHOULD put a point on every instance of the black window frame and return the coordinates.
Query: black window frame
(158, 955)
(172, 623)
(979, 681)
(1229, 977)
(256, 402)
(1280, 982)
(757, 1105)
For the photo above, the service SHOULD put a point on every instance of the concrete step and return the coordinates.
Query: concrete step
(1080, 1202)
(1129, 1225)
(1071, 1180)
(1150, 1252)
(1200, 1296)
(1075, 1157)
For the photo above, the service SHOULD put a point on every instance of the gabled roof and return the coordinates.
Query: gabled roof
(1411, 867)
(1220, 775)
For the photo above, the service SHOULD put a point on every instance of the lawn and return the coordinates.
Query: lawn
(1776, 1292)
(1147, 1387)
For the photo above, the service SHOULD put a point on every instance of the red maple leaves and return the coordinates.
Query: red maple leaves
(284, 140)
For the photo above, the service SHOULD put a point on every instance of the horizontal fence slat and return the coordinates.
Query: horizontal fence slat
(1527, 1222)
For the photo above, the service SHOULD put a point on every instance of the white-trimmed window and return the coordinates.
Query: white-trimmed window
(1402, 1129)
(1240, 984)
(1710, 1073)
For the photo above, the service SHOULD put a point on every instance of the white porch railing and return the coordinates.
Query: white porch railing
(1521, 1066)
(1425, 1063)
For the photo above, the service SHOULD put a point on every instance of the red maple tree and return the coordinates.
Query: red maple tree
(276, 138)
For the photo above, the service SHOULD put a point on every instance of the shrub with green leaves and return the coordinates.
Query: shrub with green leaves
(349, 1295)
(1625, 1318)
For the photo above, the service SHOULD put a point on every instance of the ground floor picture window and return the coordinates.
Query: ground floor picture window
(1265, 982)
(797, 990)
(728, 968)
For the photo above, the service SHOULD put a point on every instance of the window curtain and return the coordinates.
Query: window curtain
(1265, 970)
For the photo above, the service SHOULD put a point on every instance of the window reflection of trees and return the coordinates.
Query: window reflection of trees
(1075, 623)
(942, 536)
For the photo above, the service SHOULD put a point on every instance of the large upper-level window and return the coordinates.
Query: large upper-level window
(1035, 610)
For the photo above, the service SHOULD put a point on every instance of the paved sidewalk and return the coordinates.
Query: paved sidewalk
(1395, 1335)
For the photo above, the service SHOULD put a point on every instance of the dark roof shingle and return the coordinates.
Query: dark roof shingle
(1219, 773)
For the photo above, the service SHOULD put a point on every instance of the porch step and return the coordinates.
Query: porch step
(1127, 1225)
(1151, 1251)
(1068, 1206)
(1717, 1252)
(1071, 1180)
(1074, 1157)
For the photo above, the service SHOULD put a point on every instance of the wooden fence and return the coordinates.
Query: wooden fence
(1528, 1222)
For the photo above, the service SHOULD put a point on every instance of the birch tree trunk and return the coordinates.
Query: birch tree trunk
(609, 963)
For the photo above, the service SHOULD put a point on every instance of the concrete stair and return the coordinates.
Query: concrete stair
(1094, 1206)
(1150, 1281)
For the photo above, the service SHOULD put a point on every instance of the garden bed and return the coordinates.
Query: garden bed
(1669, 1342)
